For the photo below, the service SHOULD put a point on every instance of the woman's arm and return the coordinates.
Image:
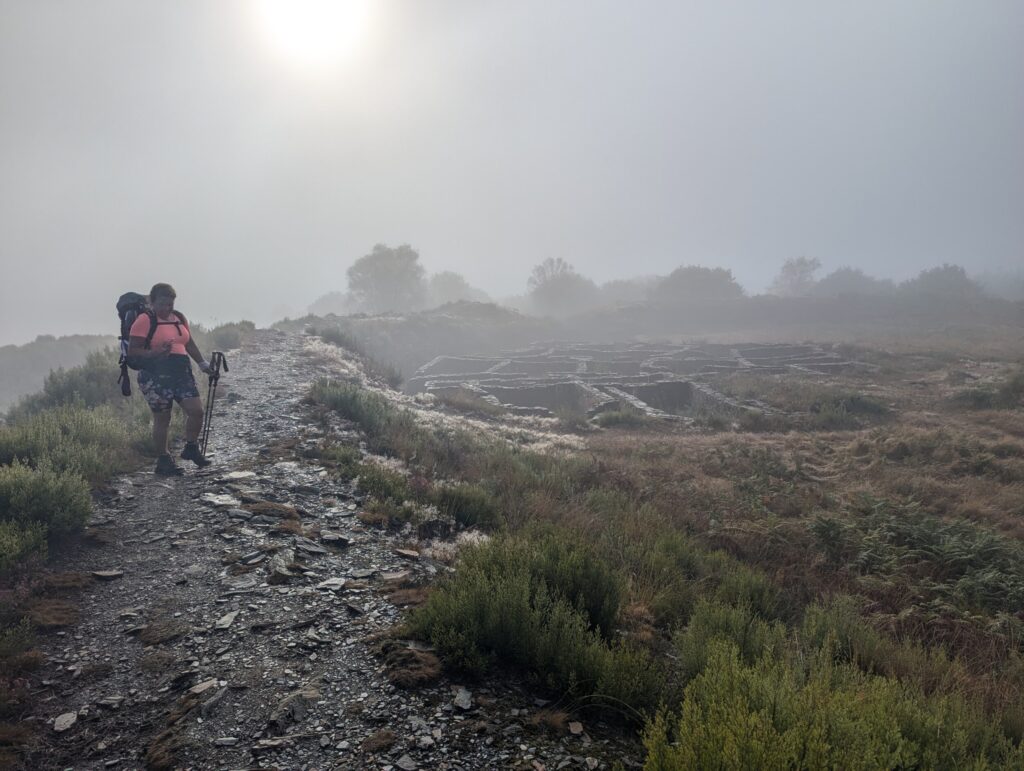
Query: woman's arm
(137, 348)
(193, 350)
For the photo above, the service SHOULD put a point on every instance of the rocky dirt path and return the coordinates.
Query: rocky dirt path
(214, 635)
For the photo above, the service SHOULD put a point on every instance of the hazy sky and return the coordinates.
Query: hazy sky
(248, 158)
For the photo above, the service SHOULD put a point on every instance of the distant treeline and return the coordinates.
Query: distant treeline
(391, 279)
(389, 310)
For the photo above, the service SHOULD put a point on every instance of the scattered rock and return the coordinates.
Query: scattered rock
(333, 584)
(337, 540)
(226, 741)
(65, 721)
(237, 476)
(409, 554)
(575, 728)
(278, 569)
(226, 620)
(220, 501)
(292, 709)
(463, 698)
(108, 575)
(203, 687)
(111, 702)
(406, 763)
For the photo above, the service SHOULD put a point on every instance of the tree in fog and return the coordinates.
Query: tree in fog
(696, 283)
(623, 291)
(849, 282)
(449, 287)
(947, 282)
(556, 288)
(338, 303)
(796, 277)
(388, 279)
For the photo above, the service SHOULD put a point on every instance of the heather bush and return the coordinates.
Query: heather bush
(58, 500)
(469, 505)
(19, 543)
(805, 714)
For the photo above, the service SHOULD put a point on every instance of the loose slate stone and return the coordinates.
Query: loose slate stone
(406, 763)
(225, 741)
(409, 554)
(333, 584)
(226, 620)
(220, 501)
(463, 699)
(111, 702)
(203, 687)
(331, 538)
(235, 476)
(363, 572)
(65, 721)
(108, 575)
(575, 728)
(308, 547)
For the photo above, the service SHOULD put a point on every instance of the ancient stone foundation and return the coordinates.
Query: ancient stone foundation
(660, 380)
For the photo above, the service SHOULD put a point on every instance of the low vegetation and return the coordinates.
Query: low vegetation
(56, 447)
(345, 338)
(779, 597)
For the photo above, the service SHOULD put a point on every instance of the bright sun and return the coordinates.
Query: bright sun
(313, 34)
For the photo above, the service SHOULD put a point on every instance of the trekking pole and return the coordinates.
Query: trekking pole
(216, 361)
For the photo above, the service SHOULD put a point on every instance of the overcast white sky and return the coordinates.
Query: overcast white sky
(145, 141)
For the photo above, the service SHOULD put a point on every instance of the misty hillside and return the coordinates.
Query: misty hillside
(24, 367)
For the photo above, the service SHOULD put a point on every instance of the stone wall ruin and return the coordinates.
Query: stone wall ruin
(661, 380)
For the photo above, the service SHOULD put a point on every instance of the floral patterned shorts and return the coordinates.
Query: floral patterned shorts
(161, 391)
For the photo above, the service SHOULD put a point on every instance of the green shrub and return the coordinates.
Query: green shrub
(753, 636)
(470, 505)
(228, 336)
(626, 417)
(95, 442)
(345, 460)
(537, 605)
(383, 483)
(16, 638)
(56, 499)
(19, 543)
(774, 714)
(88, 385)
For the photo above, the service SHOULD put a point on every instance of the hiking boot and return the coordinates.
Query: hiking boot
(165, 466)
(192, 453)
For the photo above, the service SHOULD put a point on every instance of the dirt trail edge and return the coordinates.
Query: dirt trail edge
(214, 635)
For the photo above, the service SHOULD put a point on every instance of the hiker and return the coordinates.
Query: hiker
(165, 375)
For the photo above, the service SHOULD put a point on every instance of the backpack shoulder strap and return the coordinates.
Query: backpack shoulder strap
(152, 327)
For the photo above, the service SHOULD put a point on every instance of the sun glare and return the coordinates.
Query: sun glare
(314, 34)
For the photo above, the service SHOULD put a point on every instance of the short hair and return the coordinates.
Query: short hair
(161, 290)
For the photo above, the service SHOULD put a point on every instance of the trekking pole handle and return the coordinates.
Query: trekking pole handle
(218, 360)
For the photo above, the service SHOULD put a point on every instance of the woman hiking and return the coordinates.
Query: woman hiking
(165, 375)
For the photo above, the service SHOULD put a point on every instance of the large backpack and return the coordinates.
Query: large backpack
(130, 306)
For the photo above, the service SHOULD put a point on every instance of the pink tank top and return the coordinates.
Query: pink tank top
(170, 329)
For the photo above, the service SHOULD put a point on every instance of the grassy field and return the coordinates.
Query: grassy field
(766, 598)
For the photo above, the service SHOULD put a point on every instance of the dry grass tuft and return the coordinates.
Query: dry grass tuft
(65, 582)
(161, 631)
(379, 741)
(408, 667)
(48, 613)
